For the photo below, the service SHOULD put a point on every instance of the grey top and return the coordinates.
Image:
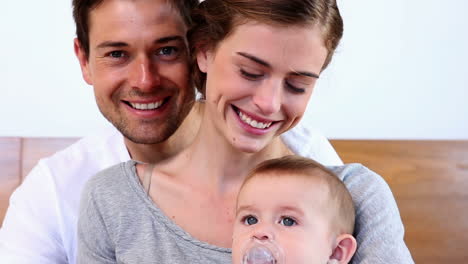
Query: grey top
(119, 223)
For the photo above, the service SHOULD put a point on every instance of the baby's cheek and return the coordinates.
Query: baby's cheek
(299, 251)
(236, 249)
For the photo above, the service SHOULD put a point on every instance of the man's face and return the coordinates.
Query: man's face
(138, 65)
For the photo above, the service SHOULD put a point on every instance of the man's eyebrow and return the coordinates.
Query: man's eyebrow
(120, 44)
(254, 59)
(307, 74)
(169, 39)
(112, 44)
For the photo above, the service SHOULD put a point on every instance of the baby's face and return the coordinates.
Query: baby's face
(288, 211)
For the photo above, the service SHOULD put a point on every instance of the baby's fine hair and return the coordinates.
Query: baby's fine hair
(339, 199)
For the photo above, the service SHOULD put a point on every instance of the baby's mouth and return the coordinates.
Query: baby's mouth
(259, 255)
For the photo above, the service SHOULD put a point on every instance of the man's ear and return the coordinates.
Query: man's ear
(344, 250)
(83, 59)
(203, 59)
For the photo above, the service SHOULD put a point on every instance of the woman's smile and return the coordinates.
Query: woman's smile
(252, 123)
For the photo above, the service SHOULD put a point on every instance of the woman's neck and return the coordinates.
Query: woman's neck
(212, 162)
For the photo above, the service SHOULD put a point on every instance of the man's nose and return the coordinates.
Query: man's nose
(143, 74)
(267, 97)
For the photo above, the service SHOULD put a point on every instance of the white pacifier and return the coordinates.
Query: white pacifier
(262, 252)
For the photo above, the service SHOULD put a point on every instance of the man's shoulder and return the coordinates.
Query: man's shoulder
(83, 159)
(95, 148)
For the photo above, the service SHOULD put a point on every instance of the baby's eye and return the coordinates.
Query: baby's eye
(288, 221)
(250, 220)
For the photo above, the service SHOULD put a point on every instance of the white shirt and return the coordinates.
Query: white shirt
(41, 221)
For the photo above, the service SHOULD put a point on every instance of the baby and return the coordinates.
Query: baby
(293, 210)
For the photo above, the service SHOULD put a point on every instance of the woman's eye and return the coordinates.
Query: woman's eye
(288, 221)
(294, 88)
(250, 220)
(249, 75)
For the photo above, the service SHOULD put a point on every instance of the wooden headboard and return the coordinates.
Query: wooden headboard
(428, 178)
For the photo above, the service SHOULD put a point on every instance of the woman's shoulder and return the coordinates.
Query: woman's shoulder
(110, 180)
(364, 184)
(355, 174)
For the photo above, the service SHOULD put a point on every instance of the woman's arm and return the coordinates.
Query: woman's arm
(379, 230)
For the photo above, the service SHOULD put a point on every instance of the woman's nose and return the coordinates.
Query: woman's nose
(267, 97)
(143, 74)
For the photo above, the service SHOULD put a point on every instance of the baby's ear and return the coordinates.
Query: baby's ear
(345, 248)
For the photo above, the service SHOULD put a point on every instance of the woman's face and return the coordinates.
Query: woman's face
(259, 80)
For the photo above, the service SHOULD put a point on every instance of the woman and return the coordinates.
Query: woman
(258, 62)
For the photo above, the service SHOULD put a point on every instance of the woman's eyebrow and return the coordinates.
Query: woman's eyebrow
(266, 64)
(254, 59)
(307, 74)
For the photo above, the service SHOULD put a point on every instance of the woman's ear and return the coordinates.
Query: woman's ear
(344, 250)
(203, 59)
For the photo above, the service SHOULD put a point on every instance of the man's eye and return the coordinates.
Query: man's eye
(250, 220)
(116, 54)
(169, 52)
(288, 221)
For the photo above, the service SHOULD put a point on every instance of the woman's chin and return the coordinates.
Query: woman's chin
(250, 146)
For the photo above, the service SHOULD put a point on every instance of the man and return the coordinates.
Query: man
(135, 56)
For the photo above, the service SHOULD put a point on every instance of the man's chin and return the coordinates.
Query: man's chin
(148, 133)
(141, 131)
(145, 140)
(154, 137)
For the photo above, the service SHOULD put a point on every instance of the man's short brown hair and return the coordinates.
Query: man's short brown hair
(82, 9)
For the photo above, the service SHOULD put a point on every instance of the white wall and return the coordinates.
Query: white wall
(401, 72)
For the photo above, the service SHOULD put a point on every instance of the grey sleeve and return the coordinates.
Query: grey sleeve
(305, 141)
(94, 242)
(379, 230)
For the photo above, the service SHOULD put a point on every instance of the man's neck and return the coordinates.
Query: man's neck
(184, 135)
